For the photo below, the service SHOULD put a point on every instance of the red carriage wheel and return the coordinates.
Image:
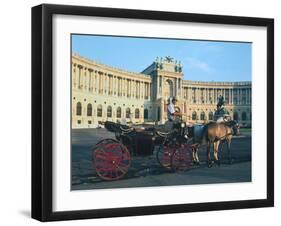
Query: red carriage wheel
(182, 158)
(111, 160)
(164, 155)
(106, 141)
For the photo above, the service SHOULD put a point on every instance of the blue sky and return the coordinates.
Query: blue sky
(201, 60)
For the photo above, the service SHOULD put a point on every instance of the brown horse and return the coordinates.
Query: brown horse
(215, 133)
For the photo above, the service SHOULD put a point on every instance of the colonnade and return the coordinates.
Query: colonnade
(198, 95)
(103, 83)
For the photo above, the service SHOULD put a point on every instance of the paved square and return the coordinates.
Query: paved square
(146, 171)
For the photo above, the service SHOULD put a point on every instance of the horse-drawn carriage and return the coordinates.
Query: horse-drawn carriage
(112, 157)
(176, 144)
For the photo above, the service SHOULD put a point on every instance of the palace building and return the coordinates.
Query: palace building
(105, 93)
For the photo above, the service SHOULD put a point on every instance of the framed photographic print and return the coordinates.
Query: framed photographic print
(145, 112)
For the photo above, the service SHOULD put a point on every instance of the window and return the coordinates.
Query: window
(89, 122)
(109, 111)
(89, 110)
(99, 111)
(137, 113)
(128, 112)
(145, 114)
(79, 121)
(194, 115)
(202, 115)
(78, 108)
(244, 116)
(118, 113)
(211, 116)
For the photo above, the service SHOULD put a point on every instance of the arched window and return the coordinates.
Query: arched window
(128, 112)
(99, 111)
(202, 115)
(168, 88)
(236, 116)
(89, 110)
(137, 113)
(194, 115)
(78, 108)
(145, 114)
(211, 116)
(118, 112)
(109, 111)
(244, 116)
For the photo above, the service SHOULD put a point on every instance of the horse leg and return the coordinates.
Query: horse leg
(193, 155)
(229, 152)
(216, 152)
(209, 163)
(196, 156)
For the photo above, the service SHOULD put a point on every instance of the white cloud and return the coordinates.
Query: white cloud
(198, 64)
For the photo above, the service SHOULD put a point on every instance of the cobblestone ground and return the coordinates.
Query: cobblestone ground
(146, 171)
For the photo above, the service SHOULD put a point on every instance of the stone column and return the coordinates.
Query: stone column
(131, 88)
(90, 79)
(140, 87)
(73, 76)
(215, 97)
(190, 94)
(76, 76)
(101, 83)
(232, 96)
(116, 86)
(86, 79)
(148, 91)
(136, 88)
(250, 96)
(108, 83)
(83, 79)
(96, 81)
(238, 90)
(125, 87)
(143, 90)
(79, 67)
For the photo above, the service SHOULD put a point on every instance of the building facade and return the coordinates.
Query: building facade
(104, 93)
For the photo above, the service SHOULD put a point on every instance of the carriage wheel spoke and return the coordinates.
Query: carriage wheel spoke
(111, 159)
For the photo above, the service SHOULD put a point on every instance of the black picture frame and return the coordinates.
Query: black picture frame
(42, 107)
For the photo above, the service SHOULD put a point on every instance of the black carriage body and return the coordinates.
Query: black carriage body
(141, 140)
(138, 142)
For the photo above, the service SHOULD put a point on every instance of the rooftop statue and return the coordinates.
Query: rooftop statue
(221, 114)
(169, 59)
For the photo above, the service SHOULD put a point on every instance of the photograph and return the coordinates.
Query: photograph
(150, 111)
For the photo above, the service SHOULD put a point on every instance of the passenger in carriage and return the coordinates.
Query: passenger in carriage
(172, 114)
(171, 109)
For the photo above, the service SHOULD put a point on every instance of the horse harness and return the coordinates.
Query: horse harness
(223, 137)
